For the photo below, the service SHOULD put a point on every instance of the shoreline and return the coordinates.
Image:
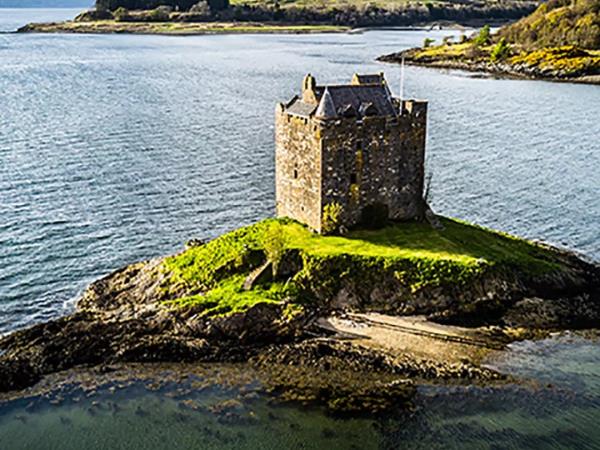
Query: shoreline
(311, 344)
(177, 28)
(493, 72)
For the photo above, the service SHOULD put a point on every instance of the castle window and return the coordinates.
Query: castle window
(359, 145)
(295, 173)
(353, 178)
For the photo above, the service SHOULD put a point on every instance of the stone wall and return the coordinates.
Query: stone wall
(354, 163)
(375, 161)
(298, 169)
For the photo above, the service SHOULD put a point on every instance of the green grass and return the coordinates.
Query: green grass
(229, 297)
(211, 276)
(568, 60)
(181, 28)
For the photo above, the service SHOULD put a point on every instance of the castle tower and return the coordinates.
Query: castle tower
(352, 151)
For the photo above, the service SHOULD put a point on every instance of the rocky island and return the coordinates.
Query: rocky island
(559, 41)
(354, 295)
(183, 17)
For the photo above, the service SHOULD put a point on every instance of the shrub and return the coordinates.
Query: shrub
(93, 15)
(121, 14)
(474, 52)
(500, 51)
(275, 242)
(332, 217)
(161, 14)
(427, 42)
(483, 37)
(201, 8)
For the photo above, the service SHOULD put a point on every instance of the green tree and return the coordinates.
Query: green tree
(121, 14)
(202, 8)
(427, 42)
(500, 51)
(275, 242)
(483, 37)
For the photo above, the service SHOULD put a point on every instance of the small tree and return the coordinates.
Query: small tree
(201, 8)
(161, 13)
(275, 243)
(121, 14)
(427, 42)
(483, 37)
(500, 51)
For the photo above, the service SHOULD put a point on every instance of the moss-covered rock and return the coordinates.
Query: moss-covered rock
(405, 268)
(197, 306)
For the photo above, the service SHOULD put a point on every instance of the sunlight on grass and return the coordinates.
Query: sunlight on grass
(417, 254)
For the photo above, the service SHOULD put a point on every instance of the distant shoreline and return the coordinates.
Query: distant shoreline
(177, 28)
(499, 70)
(208, 28)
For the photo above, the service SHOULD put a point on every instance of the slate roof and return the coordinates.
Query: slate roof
(300, 108)
(358, 95)
(373, 99)
(326, 106)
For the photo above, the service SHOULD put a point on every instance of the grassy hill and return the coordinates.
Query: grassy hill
(560, 40)
(558, 23)
(408, 257)
(298, 13)
(334, 12)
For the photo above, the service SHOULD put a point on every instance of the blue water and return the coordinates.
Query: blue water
(118, 148)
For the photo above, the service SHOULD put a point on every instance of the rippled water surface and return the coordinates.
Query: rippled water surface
(118, 148)
(560, 410)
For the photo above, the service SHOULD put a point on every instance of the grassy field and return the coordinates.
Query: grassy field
(180, 28)
(417, 253)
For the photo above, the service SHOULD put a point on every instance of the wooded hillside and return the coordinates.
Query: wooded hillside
(558, 23)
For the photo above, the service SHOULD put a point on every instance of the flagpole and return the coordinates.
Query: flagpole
(402, 80)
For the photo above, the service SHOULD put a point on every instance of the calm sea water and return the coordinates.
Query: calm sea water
(119, 148)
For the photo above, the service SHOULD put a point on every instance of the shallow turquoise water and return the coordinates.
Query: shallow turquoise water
(119, 148)
(557, 409)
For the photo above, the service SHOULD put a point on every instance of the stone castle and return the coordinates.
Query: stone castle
(347, 155)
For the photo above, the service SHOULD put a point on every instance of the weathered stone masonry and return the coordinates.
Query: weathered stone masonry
(353, 145)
